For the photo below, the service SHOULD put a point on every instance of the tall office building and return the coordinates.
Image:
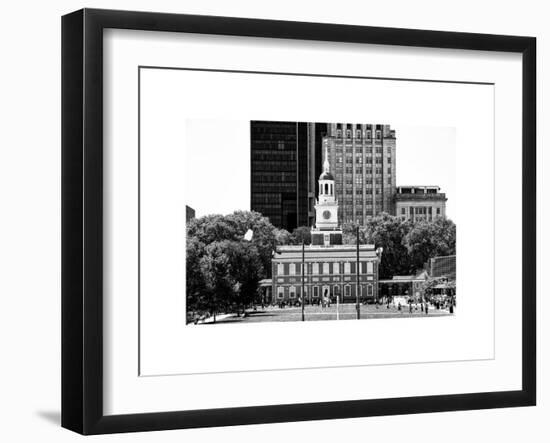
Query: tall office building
(285, 163)
(362, 158)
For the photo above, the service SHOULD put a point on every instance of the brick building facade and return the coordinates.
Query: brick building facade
(326, 269)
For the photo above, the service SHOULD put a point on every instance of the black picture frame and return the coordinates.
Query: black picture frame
(82, 220)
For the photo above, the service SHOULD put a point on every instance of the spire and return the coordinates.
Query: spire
(326, 175)
(326, 164)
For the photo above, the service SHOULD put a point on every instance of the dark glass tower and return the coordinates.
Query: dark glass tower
(285, 164)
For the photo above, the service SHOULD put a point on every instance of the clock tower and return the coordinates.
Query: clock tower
(326, 231)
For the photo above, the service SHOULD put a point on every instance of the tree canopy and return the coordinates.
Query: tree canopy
(407, 246)
(430, 239)
(223, 269)
(301, 234)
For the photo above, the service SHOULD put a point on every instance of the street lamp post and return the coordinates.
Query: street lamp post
(357, 305)
(303, 277)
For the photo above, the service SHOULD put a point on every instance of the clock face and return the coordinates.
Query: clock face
(326, 215)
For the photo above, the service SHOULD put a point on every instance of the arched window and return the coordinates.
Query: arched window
(326, 188)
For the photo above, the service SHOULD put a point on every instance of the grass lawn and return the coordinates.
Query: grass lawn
(314, 313)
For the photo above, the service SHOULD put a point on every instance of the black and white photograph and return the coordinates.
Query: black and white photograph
(297, 220)
(274, 222)
(330, 207)
(319, 221)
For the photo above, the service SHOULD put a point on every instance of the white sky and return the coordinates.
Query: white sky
(426, 156)
(217, 170)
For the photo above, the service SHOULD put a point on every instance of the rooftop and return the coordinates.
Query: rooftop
(420, 196)
(420, 186)
(334, 251)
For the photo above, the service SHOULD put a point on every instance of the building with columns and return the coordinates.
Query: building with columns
(417, 203)
(326, 269)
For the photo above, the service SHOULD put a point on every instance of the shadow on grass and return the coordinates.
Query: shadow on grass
(235, 319)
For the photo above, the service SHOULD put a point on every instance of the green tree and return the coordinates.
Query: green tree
(388, 232)
(231, 271)
(215, 270)
(349, 234)
(430, 239)
(212, 228)
(301, 234)
(223, 269)
(282, 237)
(198, 302)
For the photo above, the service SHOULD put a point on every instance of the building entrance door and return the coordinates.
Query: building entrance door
(325, 295)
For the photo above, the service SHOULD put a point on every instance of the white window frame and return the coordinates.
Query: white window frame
(280, 269)
(292, 269)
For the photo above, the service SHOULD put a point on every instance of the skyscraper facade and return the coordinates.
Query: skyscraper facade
(362, 158)
(284, 158)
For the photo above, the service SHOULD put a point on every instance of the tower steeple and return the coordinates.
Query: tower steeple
(326, 182)
(326, 230)
(326, 164)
